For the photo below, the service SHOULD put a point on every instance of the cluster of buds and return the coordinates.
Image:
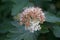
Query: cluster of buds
(31, 17)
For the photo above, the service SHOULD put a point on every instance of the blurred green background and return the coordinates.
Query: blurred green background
(10, 30)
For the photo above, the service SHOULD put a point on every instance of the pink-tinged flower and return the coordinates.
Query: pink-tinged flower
(31, 17)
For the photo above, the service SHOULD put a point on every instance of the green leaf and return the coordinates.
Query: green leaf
(44, 29)
(19, 29)
(42, 3)
(5, 26)
(23, 36)
(52, 8)
(20, 4)
(56, 30)
(51, 18)
(58, 13)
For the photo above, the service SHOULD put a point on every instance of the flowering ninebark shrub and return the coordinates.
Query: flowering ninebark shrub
(31, 17)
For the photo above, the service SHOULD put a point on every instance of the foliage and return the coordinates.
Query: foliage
(11, 30)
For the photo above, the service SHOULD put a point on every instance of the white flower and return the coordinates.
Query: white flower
(34, 26)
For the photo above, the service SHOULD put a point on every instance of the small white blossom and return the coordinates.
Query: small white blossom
(34, 26)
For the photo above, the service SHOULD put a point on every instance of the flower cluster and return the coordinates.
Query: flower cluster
(31, 17)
